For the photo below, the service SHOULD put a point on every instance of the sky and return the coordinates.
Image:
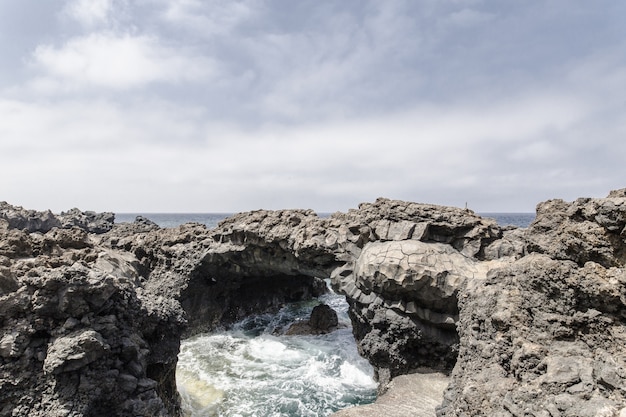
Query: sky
(236, 105)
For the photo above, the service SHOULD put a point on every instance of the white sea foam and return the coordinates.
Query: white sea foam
(354, 376)
(252, 372)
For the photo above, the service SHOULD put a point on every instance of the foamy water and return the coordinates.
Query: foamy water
(254, 370)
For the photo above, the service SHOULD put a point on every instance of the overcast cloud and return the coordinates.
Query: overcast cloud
(223, 105)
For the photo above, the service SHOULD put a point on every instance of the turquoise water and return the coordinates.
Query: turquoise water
(254, 369)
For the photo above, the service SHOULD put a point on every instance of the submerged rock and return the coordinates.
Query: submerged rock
(323, 319)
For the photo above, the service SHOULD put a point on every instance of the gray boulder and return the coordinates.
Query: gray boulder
(73, 351)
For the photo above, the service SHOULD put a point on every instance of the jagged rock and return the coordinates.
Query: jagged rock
(323, 319)
(28, 220)
(15, 244)
(621, 193)
(530, 321)
(8, 283)
(582, 231)
(403, 298)
(536, 329)
(73, 322)
(44, 221)
(89, 221)
(73, 351)
(144, 221)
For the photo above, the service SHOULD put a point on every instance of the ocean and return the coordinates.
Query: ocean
(254, 370)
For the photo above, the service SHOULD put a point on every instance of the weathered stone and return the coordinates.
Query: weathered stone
(8, 283)
(430, 274)
(561, 370)
(10, 346)
(323, 318)
(416, 394)
(127, 382)
(531, 321)
(72, 352)
(28, 220)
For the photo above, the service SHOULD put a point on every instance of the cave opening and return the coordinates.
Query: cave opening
(246, 363)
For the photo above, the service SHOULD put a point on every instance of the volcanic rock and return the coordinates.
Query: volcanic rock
(323, 319)
(525, 321)
(44, 221)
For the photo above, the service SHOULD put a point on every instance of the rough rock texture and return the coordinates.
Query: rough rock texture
(542, 337)
(529, 322)
(323, 319)
(403, 280)
(545, 335)
(91, 322)
(43, 221)
(78, 336)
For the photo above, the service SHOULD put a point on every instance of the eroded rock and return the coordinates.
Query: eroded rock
(73, 351)
(323, 319)
(528, 321)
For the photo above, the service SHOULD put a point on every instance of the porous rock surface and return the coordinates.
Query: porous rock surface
(545, 335)
(526, 322)
(78, 334)
(91, 321)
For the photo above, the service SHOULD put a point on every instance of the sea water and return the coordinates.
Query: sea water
(254, 369)
(511, 219)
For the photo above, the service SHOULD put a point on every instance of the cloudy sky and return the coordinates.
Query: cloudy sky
(225, 105)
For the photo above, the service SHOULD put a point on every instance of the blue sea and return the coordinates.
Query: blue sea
(511, 219)
(212, 219)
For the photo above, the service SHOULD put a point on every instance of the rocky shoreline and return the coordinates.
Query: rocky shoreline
(526, 322)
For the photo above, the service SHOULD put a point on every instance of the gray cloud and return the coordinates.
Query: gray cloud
(216, 105)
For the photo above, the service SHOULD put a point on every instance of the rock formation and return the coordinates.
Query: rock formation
(527, 322)
(79, 336)
(544, 335)
(44, 221)
(323, 319)
(90, 324)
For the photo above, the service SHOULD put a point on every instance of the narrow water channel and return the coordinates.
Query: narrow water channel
(255, 370)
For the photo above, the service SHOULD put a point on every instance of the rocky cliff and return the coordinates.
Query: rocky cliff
(525, 321)
(79, 334)
(544, 335)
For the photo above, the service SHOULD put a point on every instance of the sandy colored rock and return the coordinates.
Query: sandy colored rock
(416, 395)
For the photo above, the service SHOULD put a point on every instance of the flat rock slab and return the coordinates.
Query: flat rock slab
(414, 395)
